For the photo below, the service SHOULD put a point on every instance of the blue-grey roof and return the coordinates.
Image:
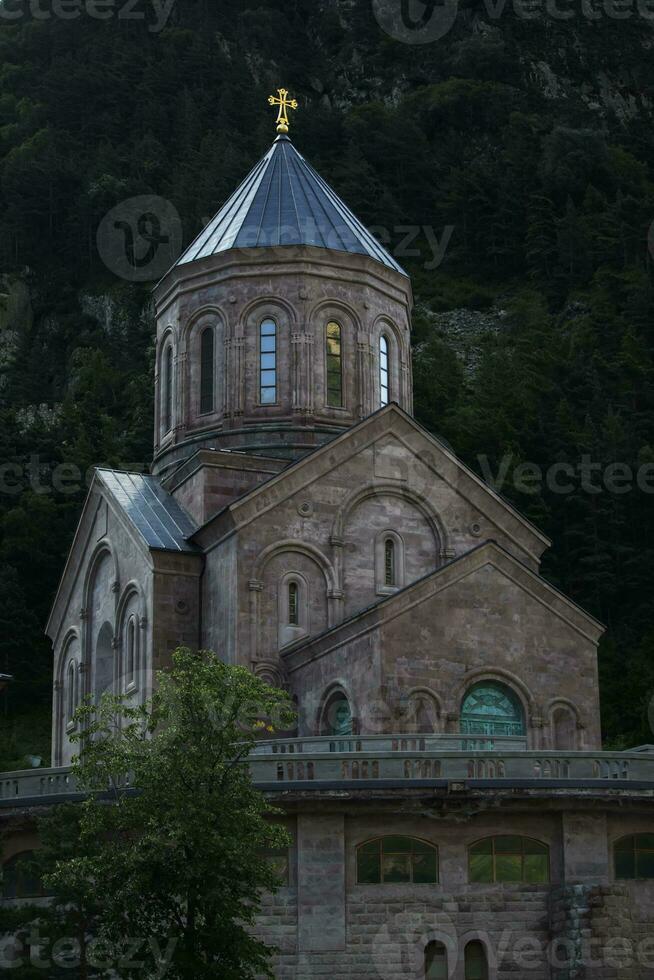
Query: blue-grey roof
(283, 201)
(160, 520)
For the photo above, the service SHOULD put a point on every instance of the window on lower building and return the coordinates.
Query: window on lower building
(384, 373)
(436, 962)
(492, 708)
(634, 857)
(334, 366)
(476, 962)
(131, 653)
(397, 860)
(71, 692)
(279, 862)
(167, 412)
(268, 362)
(337, 717)
(389, 563)
(509, 859)
(20, 877)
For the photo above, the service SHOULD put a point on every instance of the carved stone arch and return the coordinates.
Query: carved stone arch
(131, 677)
(168, 338)
(304, 548)
(351, 384)
(481, 937)
(270, 673)
(71, 635)
(326, 306)
(266, 304)
(102, 549)
(358, 495)
(414, 717)
(199, 314)
(329, 715)
(564, 733)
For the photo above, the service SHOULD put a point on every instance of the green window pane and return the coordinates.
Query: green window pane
(396, 868)
(476, 967)
(483, 846)
(397, 845)
(508, 845)
(481, 868)
(645, 864)
(508, 867)
(535, 847)
(625, 864)
(625, 844)
(425, 869)
(645, 842)
(536, 869)
(369, 867)
(372, 847)
(422, 847)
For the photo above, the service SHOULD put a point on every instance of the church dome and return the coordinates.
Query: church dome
(283, 201)
(282, 325)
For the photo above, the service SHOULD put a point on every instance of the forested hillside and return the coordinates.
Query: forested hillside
(523, 145)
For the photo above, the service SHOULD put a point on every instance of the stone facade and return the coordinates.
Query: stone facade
(447, 694)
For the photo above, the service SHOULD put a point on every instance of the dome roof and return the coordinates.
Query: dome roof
(283, 201)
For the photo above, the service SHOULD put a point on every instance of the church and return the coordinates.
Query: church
(452, 811)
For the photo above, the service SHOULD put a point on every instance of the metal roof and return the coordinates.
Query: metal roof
(283, 201)
(154, 513)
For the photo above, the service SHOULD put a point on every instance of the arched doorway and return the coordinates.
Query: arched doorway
(436, 962)
(492, 708)
(476, 963)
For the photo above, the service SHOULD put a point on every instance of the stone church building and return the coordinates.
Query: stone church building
(452, 811)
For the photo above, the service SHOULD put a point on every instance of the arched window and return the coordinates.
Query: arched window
(397, 860)
(293, 604)
(436, 962)
(476, 962)
(509, 859)
(268, 362)
(389, 563)
(20, 877)
(71, 692)
(131, 653)
(384, 371)
(168, 389)
(337, 717)
(334, 365)
(634, 857)
(207, 371)
(491, 708)
(564, 729)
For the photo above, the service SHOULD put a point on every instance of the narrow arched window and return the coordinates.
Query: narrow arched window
(71, 692)
(207, 372)
(476, 961)
(634, 857)
(397, 860)
(436, 962)
(293, 604)
(389, 563)
(384, 372)
(130, 658)
(168, 390)
(268, 362)
(334, 365)
(509, 859)
(337, 717)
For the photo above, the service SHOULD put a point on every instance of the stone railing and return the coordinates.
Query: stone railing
(387, 759)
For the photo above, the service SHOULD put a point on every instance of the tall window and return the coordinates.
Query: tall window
(334, 365)
(337, 717)
(130, 658)
(436, 962)
(634, 857)
(384, 372)
(509, 859)
(168, 390)
(397, 860)
(20, 877)
(268, 362)
(207, 372)
(71, 691)
(476, 962)
(293, 604)
(389, 563)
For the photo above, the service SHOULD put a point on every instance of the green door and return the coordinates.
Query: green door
(436, 962)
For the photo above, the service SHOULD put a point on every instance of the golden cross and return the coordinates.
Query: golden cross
(284, 104)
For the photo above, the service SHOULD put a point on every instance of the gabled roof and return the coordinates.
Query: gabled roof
(156, 515)
(283, 201)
